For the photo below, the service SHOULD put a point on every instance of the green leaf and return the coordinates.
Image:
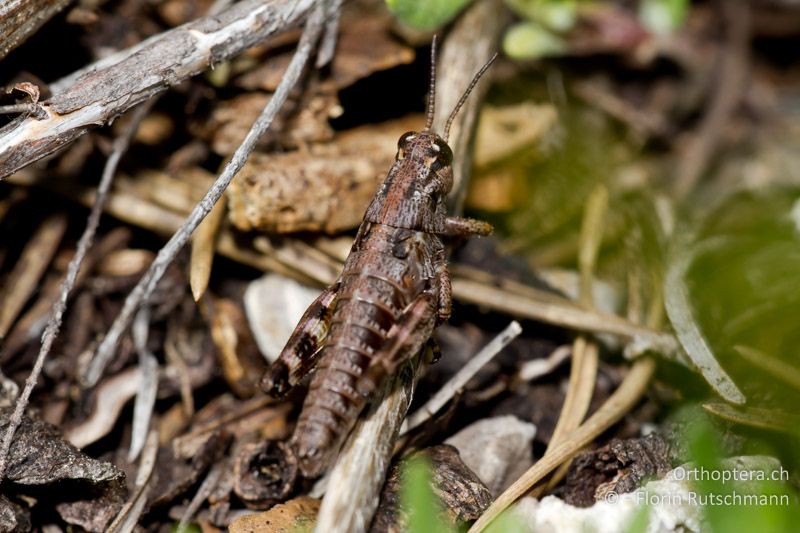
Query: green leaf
(418, 500)
(529, 40)
(663, 16)
(426, 14)
(557, 15)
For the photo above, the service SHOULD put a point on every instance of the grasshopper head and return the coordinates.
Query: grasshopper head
(413, 195)
(431, 157)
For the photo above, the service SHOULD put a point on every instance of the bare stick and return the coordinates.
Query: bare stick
(564, 314)
(461, 58)
(18, 108)
(327, 46)
(19, 19)
(457, 382)
(85, 242)
(203, 492)
(111, 86)
(355, 482)
(167, 254)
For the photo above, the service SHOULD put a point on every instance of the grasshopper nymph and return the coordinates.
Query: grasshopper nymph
(393, 291)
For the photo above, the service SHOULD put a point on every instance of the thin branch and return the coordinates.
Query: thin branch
(327, 46)
(457, 382)
(203, 492)
(462, 58)
(355, 481)
(167, 254)
(109, 87)
(85, 242)
(19, 19)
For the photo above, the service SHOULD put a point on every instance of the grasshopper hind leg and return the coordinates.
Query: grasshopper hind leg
(302, 349)
(404, 340)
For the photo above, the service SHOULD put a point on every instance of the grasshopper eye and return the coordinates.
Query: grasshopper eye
(444, 155)
(402, 144)
(405, 139)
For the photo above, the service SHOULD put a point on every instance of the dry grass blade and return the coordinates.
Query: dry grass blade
(457, 382)
(585, 352)
(146, 395)
(756, 417)
(609, 413)
(167, 254)
(85, 242)
(128, 517)
(681, 315)
(775, 367)
(563, 314)
(203, 247)
(24, 279)
(579, 391)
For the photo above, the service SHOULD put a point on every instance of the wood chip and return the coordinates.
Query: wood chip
(290, 517)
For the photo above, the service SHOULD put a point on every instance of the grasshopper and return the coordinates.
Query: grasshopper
(393, 291)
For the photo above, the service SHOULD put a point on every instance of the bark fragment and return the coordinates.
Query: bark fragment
(462, 494)
(620, 466)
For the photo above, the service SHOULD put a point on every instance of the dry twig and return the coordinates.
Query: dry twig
(167, 254)
(111, 86)
(128, 517)
(356, 479)
(457, 382)
(85, 242)
(19, 19)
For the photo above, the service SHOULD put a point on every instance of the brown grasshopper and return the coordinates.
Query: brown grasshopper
(393, 291)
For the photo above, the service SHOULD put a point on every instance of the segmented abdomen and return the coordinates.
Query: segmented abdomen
(375, 288)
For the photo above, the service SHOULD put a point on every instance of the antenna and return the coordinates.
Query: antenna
(463, 98)
(432, 88)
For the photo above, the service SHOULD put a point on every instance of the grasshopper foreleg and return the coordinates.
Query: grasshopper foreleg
(466, 226)
(445, 292)
(299, 355)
